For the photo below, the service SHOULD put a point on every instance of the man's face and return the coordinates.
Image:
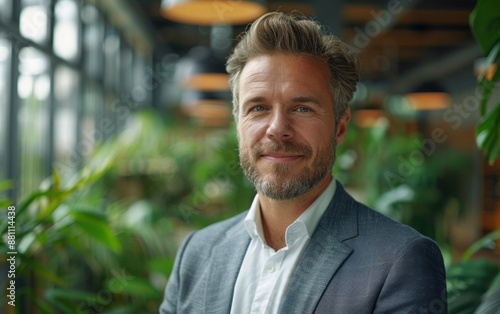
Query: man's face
(286, 124)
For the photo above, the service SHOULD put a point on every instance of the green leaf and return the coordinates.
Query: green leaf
(162, 265)
(124, 309)
(138, 287)
(26, 242)
(488, 86)
(486, 241)
(467, 281)
(5, 185)
(44, 273)
(41, 305)
(70, 294)
(488, 134)
(4, 203)
(490, 303)
(96, 226)
(67, 300)
(485, 24)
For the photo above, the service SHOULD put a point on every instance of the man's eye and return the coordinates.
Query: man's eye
(258, 108)
(303, 109)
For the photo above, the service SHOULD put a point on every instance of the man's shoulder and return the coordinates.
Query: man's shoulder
(369, 222)
(387, 235)
(373, 222)
(214, 233)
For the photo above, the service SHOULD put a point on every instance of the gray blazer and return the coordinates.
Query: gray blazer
(357, 261)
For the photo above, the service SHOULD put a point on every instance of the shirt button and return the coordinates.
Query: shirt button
(270, 268)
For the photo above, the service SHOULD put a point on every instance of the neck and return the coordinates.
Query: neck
(277, 215)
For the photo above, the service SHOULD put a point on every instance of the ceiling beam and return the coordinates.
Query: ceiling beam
(436, 70)
(363, 13)
(412, 38)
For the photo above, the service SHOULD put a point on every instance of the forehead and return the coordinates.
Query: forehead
(285, 64)
(302, 72)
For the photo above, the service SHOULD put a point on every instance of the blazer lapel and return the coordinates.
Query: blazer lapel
(224, 267)
(323, 255)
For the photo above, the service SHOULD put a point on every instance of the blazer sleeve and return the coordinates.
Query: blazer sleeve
(172, 290)
(416, 282)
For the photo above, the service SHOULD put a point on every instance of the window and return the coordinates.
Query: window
(6, 11)
(66, 33)
(34, 20)
(33, 88)
(91, 131)
(66, 93)
(5, 59)
(112, 60)
(60, 85)
(93, 38)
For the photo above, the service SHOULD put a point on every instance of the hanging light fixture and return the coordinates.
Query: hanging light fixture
(207, 108)
(213, 12)
(203, 70)
(370, 117)
(428, 96)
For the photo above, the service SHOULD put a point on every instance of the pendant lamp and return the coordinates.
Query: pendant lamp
(428, 96)
(203, 70)
(213, 12)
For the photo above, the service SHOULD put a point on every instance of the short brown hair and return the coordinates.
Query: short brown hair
(277, 32)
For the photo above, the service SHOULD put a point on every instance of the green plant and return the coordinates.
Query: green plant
(474, 284)
(85, 245)
(398, 179)
(74, 244)
(485, 25)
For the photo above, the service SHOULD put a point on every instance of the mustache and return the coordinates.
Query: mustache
(282, 147)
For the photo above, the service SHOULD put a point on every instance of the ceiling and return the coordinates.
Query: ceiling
(401, 43)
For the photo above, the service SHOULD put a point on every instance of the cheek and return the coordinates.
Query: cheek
(318, 138)
(251, 133)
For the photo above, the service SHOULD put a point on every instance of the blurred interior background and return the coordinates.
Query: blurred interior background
(116, 137)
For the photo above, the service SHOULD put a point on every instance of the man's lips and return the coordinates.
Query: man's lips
(277, 157)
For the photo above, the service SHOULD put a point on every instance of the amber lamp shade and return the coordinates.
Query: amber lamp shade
(210, 12)
(428, 96)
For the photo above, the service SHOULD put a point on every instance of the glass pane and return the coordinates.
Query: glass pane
(112, 60)
(34, 20)
(33, 88)
(90, 132)
(108, 120)
(5, 58)
(6, 11)
(126, 69)
(66, 34)
(66, 93)
(92, 41)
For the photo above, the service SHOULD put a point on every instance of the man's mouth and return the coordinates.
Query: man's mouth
(281, 157)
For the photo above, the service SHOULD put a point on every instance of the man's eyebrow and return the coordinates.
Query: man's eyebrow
(306, 99)
(253, 100)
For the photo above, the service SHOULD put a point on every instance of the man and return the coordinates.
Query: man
(305, 246)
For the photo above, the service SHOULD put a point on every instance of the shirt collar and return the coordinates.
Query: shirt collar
(305, 223)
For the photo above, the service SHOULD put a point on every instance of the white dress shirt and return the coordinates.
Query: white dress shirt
(264, 273)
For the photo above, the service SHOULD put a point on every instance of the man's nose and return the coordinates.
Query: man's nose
(279, 127)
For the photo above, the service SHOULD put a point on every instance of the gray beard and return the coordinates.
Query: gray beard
(280, 187)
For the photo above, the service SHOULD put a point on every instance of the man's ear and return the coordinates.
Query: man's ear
(342, 126)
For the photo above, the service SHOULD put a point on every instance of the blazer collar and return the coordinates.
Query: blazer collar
(321, 258)
(323, 255)
(225, 264)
